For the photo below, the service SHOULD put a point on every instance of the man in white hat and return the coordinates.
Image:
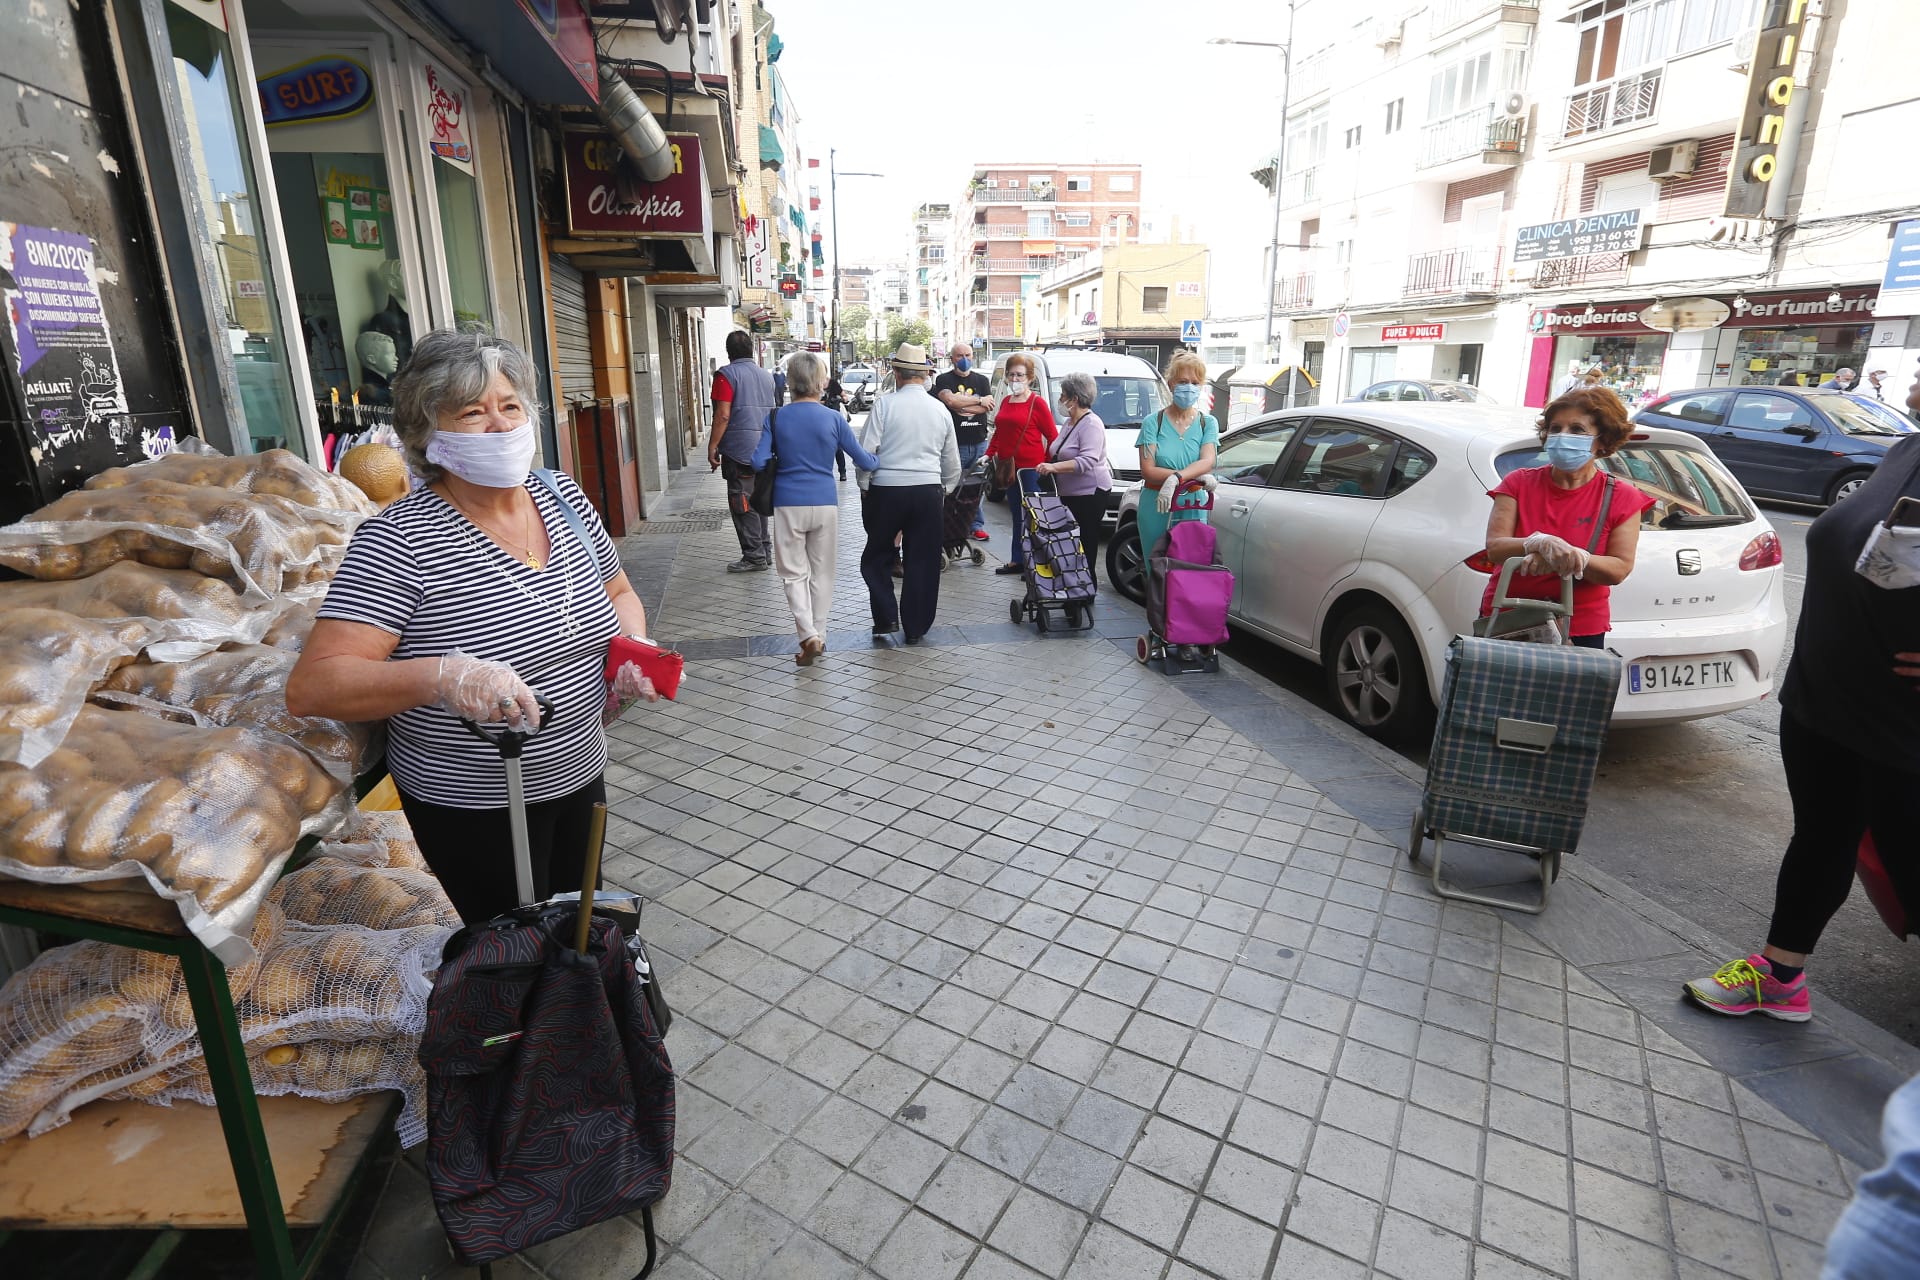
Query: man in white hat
(911, 435)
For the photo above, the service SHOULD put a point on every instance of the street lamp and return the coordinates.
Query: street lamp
(1279, 168)
(833, 191)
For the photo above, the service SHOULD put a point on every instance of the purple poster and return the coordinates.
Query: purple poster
(65, 357)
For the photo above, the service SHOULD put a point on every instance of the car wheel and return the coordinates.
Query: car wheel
(1847, 485)
(1374, 675)
(1126, 566)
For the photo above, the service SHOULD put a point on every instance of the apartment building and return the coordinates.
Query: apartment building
(1014, 223)
(1503, 192)
(1136, 295)
(927, 260)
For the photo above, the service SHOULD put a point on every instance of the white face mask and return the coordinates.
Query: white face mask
(1016, 385)
(490, 459)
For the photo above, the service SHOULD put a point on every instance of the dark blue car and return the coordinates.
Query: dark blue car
(1782, 442)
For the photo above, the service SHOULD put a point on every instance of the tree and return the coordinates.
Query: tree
(900, 329)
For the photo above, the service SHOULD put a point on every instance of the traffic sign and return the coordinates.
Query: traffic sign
(1341, 323)
(1189, 331)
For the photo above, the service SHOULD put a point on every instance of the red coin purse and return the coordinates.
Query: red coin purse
(663, 667)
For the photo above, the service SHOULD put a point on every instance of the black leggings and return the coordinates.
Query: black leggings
(1088, 511)
(1837, 796)
(471, 850)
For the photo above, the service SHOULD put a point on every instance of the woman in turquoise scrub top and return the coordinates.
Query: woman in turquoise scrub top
(1177, 441)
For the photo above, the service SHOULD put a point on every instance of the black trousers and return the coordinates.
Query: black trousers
(1837, 795)
(471, 850)
(913, 511)
(1088, 511)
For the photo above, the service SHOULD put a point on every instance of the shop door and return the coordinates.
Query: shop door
(1368, 365)
(343, 188)
(1315, 354)
(1469, 369)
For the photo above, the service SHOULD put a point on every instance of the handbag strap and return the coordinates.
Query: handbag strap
(567, 513)
(773, 449)
(1600, 521)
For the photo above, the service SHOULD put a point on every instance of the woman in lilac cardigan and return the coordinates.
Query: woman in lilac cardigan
(1077, 461)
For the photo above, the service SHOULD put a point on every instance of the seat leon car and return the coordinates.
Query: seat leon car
(1356, 535)
(1785, 442)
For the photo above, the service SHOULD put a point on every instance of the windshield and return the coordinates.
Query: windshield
(856, 375)
(1120, 401)
(1455, 391)
(1858, 416)
(1689, 487)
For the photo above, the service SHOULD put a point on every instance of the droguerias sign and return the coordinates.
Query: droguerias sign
(674, 206)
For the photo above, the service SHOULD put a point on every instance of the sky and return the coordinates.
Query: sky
(897, 91)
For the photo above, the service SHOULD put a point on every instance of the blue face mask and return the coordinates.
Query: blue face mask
(1186, 395)
(963, 364)
(1569, 452)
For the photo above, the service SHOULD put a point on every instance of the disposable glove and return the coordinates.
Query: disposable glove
(1165, 501)
(483, 691)
(1209, 482)
(1559, 556)
(629, 685)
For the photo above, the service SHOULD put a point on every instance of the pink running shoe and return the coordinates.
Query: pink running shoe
(1748, 986)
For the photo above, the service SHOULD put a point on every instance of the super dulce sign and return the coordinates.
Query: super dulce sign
(597, 205)
(1413, 333)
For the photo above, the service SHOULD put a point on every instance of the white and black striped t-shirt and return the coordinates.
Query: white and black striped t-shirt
(423, 572)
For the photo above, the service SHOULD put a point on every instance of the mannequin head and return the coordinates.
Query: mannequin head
(376, 353)
(394, 276)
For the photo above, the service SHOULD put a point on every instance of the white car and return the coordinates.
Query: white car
(1354, 534)
(1127, 391)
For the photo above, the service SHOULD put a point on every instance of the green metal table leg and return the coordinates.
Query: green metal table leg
(233, 1093)
(155, 1258)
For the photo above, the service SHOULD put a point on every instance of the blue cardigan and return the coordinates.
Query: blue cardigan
(807, 436)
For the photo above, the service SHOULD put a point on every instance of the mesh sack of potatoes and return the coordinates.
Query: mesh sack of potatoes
(246, 686)
(290, 624)
(262, 544)
(331, 890)
(184, 613)
(333, 1012)
(376, 838)
(278, 472)
(89, 1018)
(205, 817)
(49, 662)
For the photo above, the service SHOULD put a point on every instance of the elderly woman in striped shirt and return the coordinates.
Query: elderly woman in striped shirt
(458, 602)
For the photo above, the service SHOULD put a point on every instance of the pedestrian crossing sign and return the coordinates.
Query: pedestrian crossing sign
(1189, 331)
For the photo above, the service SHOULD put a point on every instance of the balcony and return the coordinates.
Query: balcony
(1452, 272)
(1012, 195)
(976, 300)
(1594, 268)
(1623, 101)
(1004, 301)
(1445, 15)
(1015, 266)
(1314, 76)
(1478, 134)
(1300, 188)
(1004, 233)
(1294, 292)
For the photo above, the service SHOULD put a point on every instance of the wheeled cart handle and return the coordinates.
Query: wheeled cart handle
(511, 742)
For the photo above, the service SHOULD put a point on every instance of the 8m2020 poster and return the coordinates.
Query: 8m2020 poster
(62, 350)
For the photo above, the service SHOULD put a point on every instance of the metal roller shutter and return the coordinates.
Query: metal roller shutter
(573, 352)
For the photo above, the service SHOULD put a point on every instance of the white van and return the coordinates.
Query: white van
(1126, 391)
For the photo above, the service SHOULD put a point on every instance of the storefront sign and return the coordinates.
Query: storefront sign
(1685, 315)
(69, 375)
(1413, 333)
(564, 25)
(1900, 287)
(1187, 289)
(1814, 306)
(447, 117)
(1763, 118)
(759, 241)
(1617, 232)
(674, 206)
(1608, 317)
(324, 88)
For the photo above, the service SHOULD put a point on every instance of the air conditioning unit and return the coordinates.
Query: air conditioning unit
(1387, 33)
(1515, 106)
(1676, 160)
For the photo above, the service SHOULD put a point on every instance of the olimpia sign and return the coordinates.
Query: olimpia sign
(1763, 115)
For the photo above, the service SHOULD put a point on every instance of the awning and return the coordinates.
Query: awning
(1036, 248)
(771, 156)
(559, 67)
(775, 46)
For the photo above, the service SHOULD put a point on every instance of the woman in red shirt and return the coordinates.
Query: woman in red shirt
(1023, 427)
(1547, 514)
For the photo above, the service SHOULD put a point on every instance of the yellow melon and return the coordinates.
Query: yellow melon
(378, 470)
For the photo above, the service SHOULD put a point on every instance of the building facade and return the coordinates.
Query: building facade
(927, 260)
(248, 210)
(1014, 223)
(1148, 298)
(1583, 193)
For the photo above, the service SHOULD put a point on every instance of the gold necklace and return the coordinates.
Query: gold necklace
(526, 542)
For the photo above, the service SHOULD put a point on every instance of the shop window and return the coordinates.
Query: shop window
(457, 195)
(242, 259)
